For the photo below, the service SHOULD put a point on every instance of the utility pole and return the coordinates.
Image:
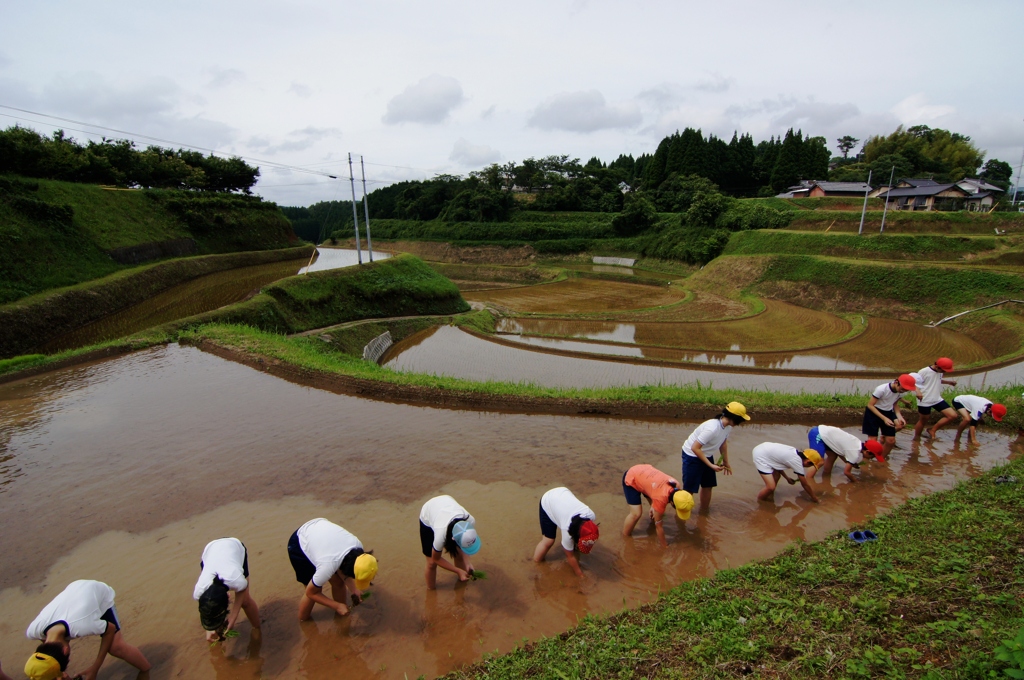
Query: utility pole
(886, 209)
(1016, 188)
(355, 213)
(865, 208)
(366, 210)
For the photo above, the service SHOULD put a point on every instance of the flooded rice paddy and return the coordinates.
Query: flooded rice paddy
(129, 466)
(574, 296)
(452, 352)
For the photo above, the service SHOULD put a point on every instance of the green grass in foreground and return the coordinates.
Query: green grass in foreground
(149, 338)
(317, 355)
(933, 597)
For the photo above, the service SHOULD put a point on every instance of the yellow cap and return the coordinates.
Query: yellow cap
(42, 667)
(814, 457)
(365, 569)
(683, 501)
(737, 409)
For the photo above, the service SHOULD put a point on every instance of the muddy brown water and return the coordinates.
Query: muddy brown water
(452, 352)
(122, 470)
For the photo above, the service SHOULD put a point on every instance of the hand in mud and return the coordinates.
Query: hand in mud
(463, 575)
(356, 599)
(791, 481)
(587, 584)
(341, 608)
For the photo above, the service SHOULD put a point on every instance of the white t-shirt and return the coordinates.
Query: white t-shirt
(886, 397)
(710, 434)
(80, 606)
(930, 384)
(222, 558)
(975, 405)
(325, 544)
(438, 512)
(842, 443)
(561, 506)
(770, 456)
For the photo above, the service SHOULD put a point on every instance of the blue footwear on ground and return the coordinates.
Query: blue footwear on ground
(857, 536)
(870, 535)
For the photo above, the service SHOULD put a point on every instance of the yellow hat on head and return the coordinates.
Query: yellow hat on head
(737, 409)
(683, 500)
(365, 569)
(42, 667)
(814, 457)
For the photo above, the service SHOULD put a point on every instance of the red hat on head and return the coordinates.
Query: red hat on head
(588, 536)
(907, 382)
(945, 363)
(998, 411)
(875, 449)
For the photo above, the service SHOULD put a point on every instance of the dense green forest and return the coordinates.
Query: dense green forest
(117, 162)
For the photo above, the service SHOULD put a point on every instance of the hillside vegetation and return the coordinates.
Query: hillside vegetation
(55, 234)
(886, 247)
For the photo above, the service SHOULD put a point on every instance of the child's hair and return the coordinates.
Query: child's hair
(213, 605)
(348, 562)
(574, 528)
(450, 545)
(56, 650)
(733, 418)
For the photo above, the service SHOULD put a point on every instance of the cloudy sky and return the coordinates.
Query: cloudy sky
(420, 88)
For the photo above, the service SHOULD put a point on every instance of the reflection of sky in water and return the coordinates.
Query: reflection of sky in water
(622, 332)
(336, 258)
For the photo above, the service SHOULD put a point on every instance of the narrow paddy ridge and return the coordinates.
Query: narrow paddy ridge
(156, 453)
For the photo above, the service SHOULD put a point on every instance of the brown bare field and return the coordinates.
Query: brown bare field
(576, 296)
(910, 345)
(702, 306)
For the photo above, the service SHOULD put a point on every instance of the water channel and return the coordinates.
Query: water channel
(122, 470)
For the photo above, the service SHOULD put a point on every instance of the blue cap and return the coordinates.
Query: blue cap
(466, 538)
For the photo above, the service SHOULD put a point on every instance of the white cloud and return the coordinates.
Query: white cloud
(714, 82)
(473, 155)
(429, 101)
(584, 112)
(222, 77)
(5, 61)
(296, 140)
(663, 96)
(812, 115)
(915, 109)
(300, 90)
(488, 112)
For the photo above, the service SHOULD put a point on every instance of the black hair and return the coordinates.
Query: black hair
(574, 528)
(213, 605)
(733, 418)
(451, 546)
(56, 650)
(348, 562)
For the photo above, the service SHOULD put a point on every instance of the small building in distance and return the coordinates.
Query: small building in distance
(817, 188)
(982, 195)
(922, 194)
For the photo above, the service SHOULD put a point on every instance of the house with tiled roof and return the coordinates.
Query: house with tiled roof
(815, 189)
(922, 194)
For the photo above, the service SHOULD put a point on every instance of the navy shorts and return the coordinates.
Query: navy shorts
(940, 407)
(547, 527)
(814, 441)
(872, 423)
(110, 616)
(957, 405)
(304, 569)
(632, 495)
(697, 475)
(426, 540)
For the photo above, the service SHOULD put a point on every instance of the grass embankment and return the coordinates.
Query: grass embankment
(885, 247)
(32, 321)
(398, 286)
(55, 234)
(902, 221)
(933, 597)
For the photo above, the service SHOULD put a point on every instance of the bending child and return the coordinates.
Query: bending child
(699, 450)
(560, 509)
(444, 524)
(772, 460)
(972, 410)
(883, 411)
(833, 443)
(224, 568)
(321, 552)
(660, 490)
(930, 380)
(83, 608)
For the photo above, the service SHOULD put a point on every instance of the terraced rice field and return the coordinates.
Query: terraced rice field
(579, 296)
(781, 326)
(906, 344)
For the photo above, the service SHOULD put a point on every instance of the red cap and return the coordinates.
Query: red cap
(945, 363)
(588, 536)
(998, 411)
(907, 382)
(875, 448)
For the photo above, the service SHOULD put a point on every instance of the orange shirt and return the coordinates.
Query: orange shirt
(652, 483)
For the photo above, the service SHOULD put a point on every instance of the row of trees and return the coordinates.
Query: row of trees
(118, 162)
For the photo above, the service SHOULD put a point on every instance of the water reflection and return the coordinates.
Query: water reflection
(336, 258)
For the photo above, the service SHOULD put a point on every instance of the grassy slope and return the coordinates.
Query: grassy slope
(55, 234)
(894, 247)
(933, 597)
(398, 286)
